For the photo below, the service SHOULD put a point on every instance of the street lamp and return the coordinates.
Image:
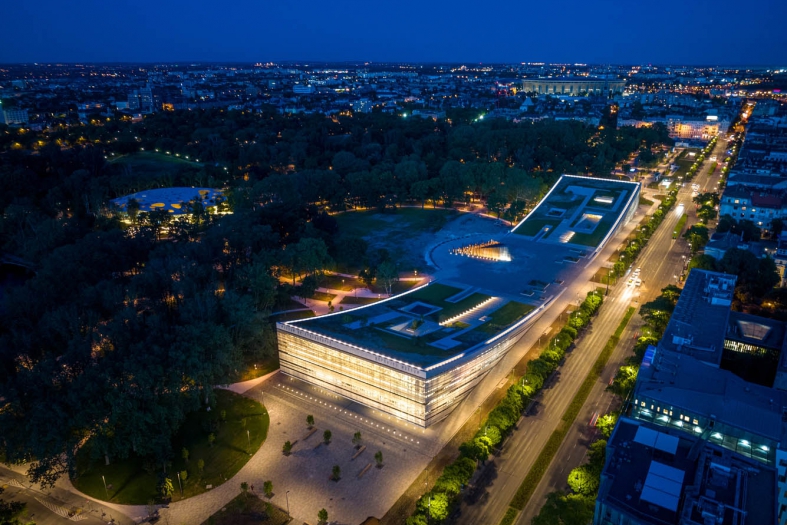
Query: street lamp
(288, 503)
(105, 486)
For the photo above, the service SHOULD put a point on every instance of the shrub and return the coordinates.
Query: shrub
(510, 516)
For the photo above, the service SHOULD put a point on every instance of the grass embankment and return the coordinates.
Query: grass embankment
(248, 509)
(541, 465)
(133, 481)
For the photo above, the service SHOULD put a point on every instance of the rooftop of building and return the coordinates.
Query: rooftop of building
(681, 381)
(663, 476)
(173, 200)
(484, 288)
(700, 319)
(756, 330)
(578, 210)
(427, 326)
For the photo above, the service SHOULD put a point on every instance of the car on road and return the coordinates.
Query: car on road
(637, 282)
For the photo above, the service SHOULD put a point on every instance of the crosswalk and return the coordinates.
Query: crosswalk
(62, 511)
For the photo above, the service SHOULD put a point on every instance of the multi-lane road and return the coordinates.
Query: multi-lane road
(661, 261)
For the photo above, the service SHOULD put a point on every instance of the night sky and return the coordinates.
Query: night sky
(722, 32)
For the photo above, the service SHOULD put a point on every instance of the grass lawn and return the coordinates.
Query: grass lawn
(398, 287)
(287, 304)
(248, 509)
(291, 316)
(507, 314)
(349, 299)
(145, 159)
(435, 294)
(129, 482)
(592, 239)
(645, 202)
(534, 225)
(323, 296)
(337, 282)
(399, 226)
(679, 226)
(411, 346)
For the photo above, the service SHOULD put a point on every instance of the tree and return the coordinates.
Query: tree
(606, 423)
(624, 381)
(211, 439)
(200, 465)
(185, 454)
(703, 262)
(357, 439)
(184, 475)
(10, 511)
(378, 458)
(387, 273)
(166, 489)
(267, 488)
(565, 509)
(706, 213)
(336, 473)
(310, 420)
(308, 287)
(583, 480)
(435, 505)
(287, 448)
(322, 516)
(326, 436)
(244, 488)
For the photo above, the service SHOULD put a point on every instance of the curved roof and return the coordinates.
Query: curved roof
(174, 200)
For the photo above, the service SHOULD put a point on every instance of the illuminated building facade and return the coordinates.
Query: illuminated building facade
(573, 86)
(422, 395)
(418, 354)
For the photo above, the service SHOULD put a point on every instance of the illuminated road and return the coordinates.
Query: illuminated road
(660, 261)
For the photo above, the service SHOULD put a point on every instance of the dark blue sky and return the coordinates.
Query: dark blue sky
(639, 31)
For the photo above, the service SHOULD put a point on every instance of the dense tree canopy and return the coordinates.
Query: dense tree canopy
(124, 325)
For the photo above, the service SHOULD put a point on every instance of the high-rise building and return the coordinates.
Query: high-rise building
(141, 100)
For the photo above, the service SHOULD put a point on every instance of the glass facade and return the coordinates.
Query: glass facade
(422, 396)
(723, 434)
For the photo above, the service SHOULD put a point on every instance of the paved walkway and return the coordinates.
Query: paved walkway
(244, 386)
(63, 499)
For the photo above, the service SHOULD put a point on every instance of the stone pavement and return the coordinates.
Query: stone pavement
(306, 472)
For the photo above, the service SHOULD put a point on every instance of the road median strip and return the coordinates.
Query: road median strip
(541, 465)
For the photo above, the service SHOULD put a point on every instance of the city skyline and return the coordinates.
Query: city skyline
(664, 33)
